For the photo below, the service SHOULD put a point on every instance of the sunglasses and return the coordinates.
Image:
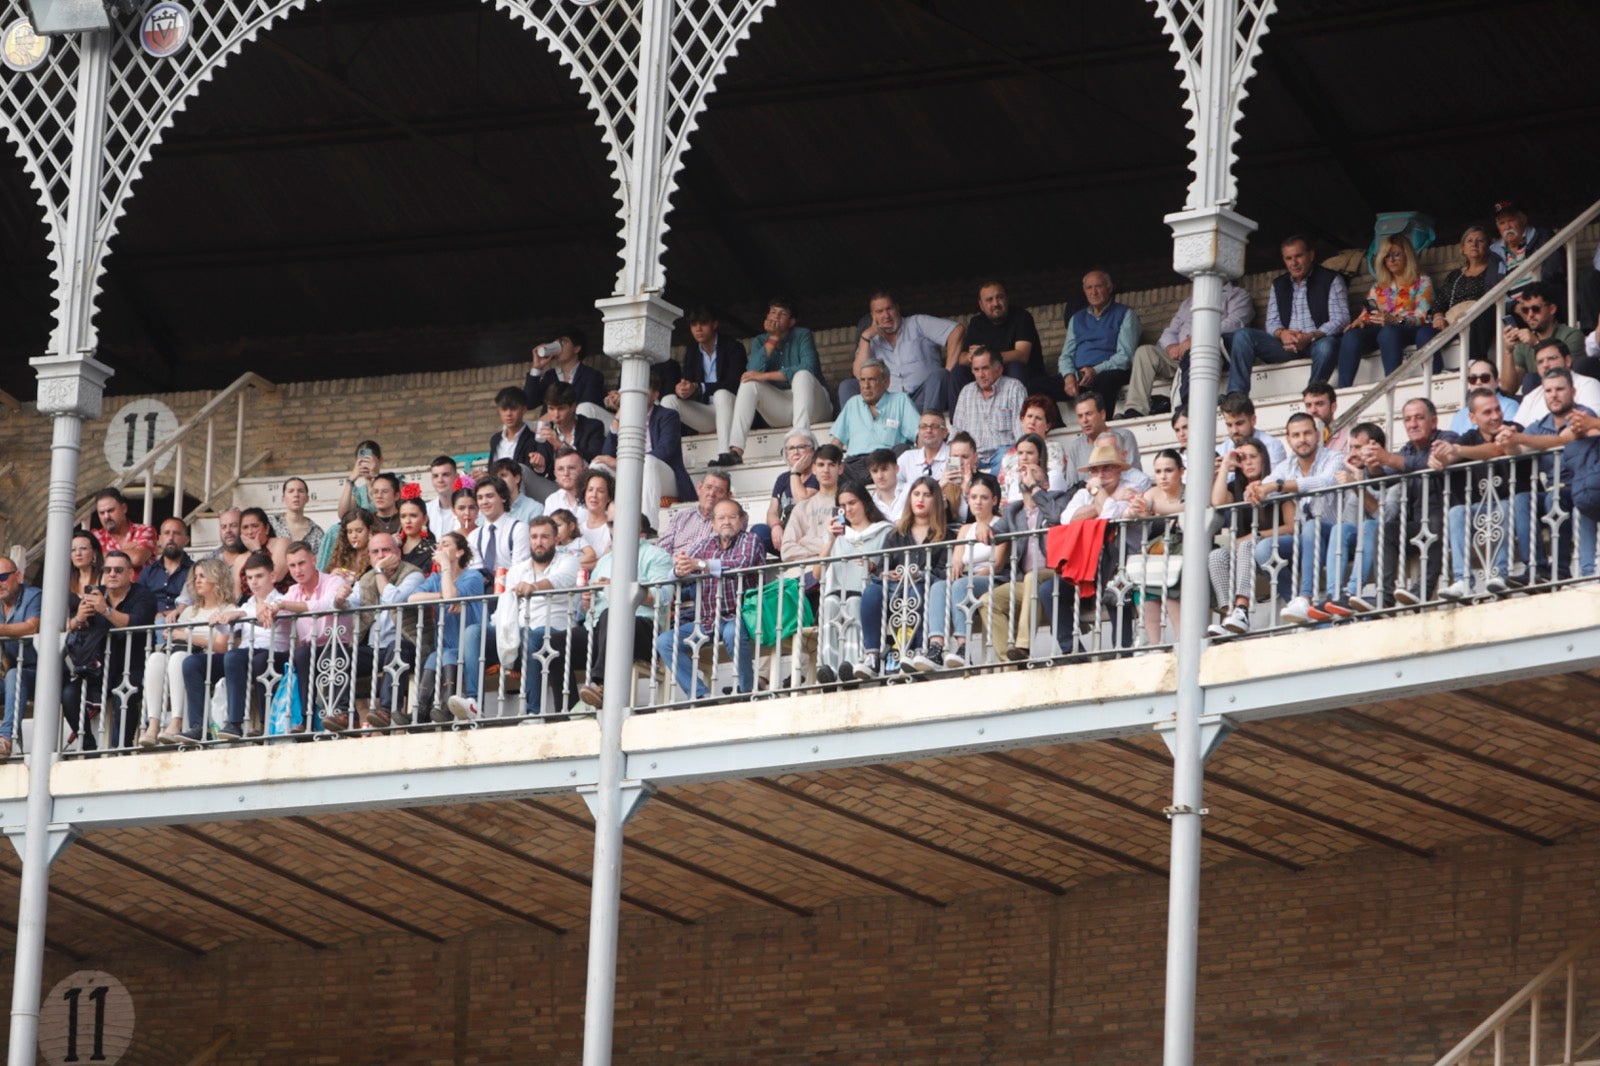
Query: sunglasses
(1479, 379)
(114, 570)
(6, 575)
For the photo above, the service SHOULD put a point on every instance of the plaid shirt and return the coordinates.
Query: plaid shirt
(725, 592)
(992, 420)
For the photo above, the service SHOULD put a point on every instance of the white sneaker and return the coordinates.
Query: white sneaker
(954, 660)
(1456, 590)
(1297, 611)
(1497, 586)
(1237, 621)
(462, 708)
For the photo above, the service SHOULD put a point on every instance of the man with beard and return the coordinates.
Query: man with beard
(1010, 333)
(165, 578)
(1573, 429)
(536, 579)
(1539, 309)
(19, 621)
(1309, 468)
(117, 533)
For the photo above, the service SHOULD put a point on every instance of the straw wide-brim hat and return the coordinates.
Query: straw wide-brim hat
(1106, 453)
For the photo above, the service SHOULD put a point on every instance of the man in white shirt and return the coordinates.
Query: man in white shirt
(1318, 525)
(500, 540)
(539, 580)
(569, 467)
(1549, 355)
(442, 472)
(932, 451)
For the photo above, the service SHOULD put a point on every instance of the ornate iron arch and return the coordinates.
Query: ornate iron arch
(36, 112)
(602, 45)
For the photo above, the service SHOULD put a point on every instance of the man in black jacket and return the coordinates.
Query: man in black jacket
(706, 387)
(102, 666)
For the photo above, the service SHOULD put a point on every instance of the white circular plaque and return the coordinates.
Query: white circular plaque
(87, 1017)
(135, 430)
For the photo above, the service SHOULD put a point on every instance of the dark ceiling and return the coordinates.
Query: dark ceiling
(386, 185)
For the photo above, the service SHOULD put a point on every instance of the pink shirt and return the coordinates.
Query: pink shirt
(320, 597)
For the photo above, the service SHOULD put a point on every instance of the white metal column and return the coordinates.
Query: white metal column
(70, 387)
(1216, 42)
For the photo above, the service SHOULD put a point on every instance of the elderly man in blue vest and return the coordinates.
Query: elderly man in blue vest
(1098, 351)
(1306, 314)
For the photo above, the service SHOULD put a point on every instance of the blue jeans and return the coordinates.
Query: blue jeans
(1325, 543)
(19, 682)
(235, 668)
(674, 647)
(1492, 517)
(950, 596)
(533, 669)
(1281, 546)
(1391, 343)
(1247, 347)
(473, 644)
(1366, 542)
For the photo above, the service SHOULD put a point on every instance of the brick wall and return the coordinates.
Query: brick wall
(1372, 960)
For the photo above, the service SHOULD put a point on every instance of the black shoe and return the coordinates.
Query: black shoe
(1160, 405)
(825, 675)
(1130, 413)
(727, 459)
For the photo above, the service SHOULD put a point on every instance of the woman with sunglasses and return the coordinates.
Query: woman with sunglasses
(1399, 312)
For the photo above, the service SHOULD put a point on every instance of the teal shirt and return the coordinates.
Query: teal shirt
(796, 352)
(895, 425)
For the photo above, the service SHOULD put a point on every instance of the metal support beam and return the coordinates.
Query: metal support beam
(234, 912)
(541, 864)
(57, 836)
(71, 384)
(634, 793)
(1032, 825)
(1028, 769)
(1299, 810)
(1214, 729)
(95, 907)
(1464, 813)
(1543, 721)
(682, 864)
(911, 838)
(1588, 795)
(306, 883)
(344, 840)
(805, 853)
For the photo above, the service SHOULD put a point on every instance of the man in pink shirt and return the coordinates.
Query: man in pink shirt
(321, 643)
(116, 533)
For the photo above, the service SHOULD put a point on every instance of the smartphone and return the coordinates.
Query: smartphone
(1511, 322)
(1372, 307)
(364, 453)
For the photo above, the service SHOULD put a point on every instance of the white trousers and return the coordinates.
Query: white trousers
(716, 416)
(799, 406)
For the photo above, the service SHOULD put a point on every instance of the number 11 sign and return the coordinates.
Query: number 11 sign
(86, 1018)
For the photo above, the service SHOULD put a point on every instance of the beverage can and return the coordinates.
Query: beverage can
(583, 577)
(499, 579)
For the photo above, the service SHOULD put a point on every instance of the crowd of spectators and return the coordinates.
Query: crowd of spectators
(940, 506)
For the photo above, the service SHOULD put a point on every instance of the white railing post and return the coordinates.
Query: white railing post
(1533, 1028)
(238, 439)
(1572, 1007)
(1572, 283)
(211, 451)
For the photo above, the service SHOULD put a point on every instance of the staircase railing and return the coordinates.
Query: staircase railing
(1565, 241)
(1501, 1027)
(177, 447)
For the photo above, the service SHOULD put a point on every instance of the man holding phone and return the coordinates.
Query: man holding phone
(1536, 318)
(98, 661)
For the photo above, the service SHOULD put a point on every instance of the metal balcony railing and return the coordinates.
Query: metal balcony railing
(1471, 532)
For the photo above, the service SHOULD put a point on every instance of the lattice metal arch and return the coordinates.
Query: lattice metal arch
(1214, 97)
(36, 112)
(599, 44)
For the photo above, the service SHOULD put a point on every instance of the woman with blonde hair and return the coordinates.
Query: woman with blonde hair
(211, 591)
(1399, 312)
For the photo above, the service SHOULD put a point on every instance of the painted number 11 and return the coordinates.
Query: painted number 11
(132, 419)
(97, 996)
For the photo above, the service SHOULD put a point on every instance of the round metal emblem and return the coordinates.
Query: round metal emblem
(165, 30)
(21, 49)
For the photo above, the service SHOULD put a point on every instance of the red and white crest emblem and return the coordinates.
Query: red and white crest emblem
(165, 30)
